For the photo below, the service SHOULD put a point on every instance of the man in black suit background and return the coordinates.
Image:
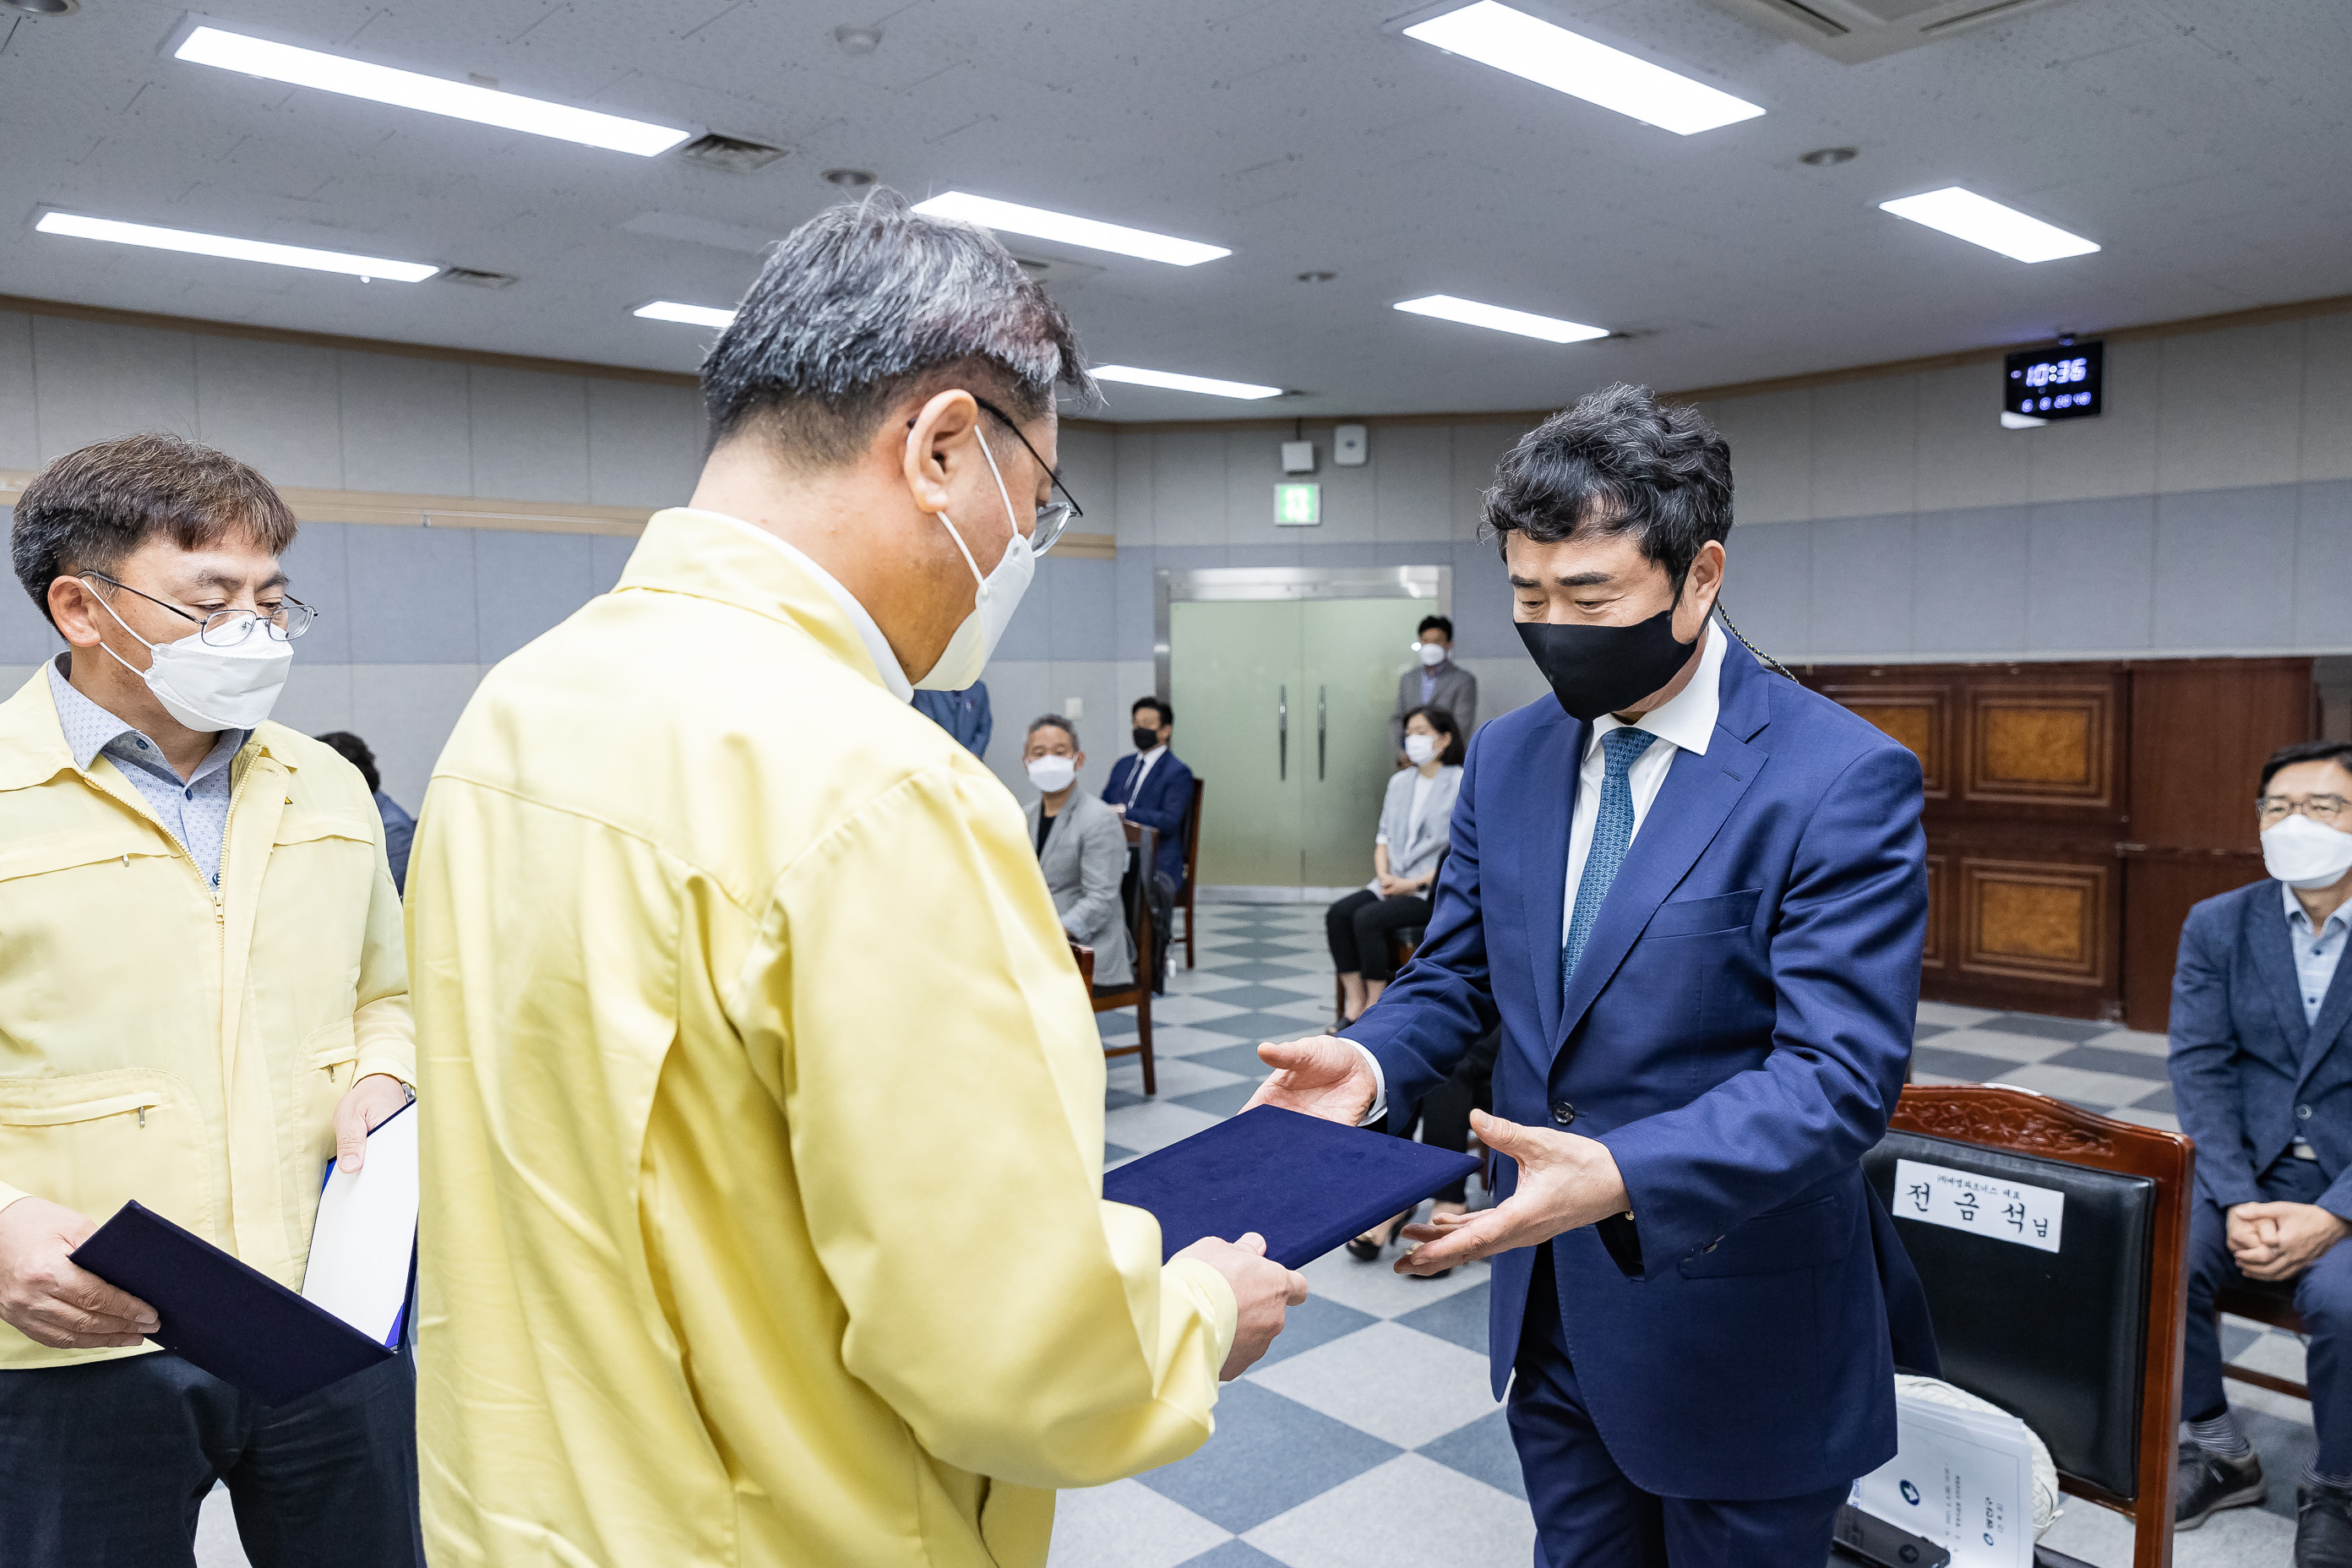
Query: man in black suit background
(1151, 786)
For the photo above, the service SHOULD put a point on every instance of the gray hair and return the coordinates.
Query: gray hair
(1058, 723)
(869, 304)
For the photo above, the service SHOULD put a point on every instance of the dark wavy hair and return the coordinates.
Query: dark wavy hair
(868, 304)
(1618, 462)
(1457, 745)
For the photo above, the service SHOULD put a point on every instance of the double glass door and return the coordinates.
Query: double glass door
(1282, 706)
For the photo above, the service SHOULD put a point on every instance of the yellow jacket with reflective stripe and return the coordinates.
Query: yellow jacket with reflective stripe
(163, 1042)
(764, 1115)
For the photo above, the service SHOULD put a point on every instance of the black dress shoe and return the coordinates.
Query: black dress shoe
(2207, 1483)
(2323, 1528)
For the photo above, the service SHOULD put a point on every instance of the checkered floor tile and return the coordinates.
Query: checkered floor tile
(1369, 1436)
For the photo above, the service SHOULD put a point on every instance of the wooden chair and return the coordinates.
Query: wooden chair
(1191, 864)
(2083, 1343)
(1137, 993)
(2264, 1301)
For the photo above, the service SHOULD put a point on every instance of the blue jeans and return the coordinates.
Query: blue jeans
(1587, 1511)
(107, 1462)
(2323, 1296)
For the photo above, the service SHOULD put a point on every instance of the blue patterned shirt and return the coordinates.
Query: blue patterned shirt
(192, 810)
(2315, 956)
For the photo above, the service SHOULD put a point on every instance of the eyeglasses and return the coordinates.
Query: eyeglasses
(1055, 515)
(287, 619)
(2327, 810)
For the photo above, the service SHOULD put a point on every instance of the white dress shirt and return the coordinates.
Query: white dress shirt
(877, 647)
(1143, 767)
(1686, 721)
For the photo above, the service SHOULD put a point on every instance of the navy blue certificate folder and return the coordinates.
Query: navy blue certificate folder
(222, 1316)
(1304, 1183)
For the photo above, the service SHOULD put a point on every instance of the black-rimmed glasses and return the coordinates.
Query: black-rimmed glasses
(1055, 516)
(286, 620)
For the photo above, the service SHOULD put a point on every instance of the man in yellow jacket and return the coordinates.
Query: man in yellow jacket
(763, 1222)
(204, 998)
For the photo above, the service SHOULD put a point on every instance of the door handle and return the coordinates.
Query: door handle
(1319, 734)
(1282, 734)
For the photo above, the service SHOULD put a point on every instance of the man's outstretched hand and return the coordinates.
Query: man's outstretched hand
(1322, 1077)
(1565, 1182)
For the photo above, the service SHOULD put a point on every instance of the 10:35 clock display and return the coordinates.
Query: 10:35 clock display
(2055, 383)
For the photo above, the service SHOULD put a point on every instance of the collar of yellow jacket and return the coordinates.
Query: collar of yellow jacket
(711, 555)
(33, 749)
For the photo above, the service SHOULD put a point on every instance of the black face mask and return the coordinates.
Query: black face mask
(1601, 670)
(1146, 739)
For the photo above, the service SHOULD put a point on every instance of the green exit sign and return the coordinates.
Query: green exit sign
(1297, 506)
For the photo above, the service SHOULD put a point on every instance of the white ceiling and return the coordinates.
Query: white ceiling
(2204, 143)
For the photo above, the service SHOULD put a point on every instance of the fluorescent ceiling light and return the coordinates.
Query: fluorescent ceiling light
(1039, 224)
(2013, 421)
(687, 315)
(1551, 329)
(1525, 45)
(412, 89)
(234, 249)
(1964, 215)
(1175, 383)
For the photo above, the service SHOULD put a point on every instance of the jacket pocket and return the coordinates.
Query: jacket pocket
(297, 826)
(1703, 917)
(323, 1071)
(93, 1142)
(78, 848)
(1805, 1237)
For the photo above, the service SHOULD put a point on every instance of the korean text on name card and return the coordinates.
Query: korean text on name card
(1988, 1206)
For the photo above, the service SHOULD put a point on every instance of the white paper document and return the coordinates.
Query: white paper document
(1988, 1205)
(1961, 1479)
(366, 1234)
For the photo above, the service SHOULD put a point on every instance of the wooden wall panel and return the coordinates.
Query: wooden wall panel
(2035, 920)
(2200, 730)
(2047, 745)
(2076, 811)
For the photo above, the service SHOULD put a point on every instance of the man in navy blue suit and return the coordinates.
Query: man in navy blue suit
(1150, 786)
(2262, 1077)
(1694, 894)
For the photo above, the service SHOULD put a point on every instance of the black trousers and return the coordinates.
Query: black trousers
(1443, 1117)
(107, 1462)
(1359, 928)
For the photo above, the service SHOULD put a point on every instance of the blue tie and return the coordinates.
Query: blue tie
(1613, 830)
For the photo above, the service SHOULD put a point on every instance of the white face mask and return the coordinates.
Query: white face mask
(2302, 854)
(1431, 654)
(1420, 747)
(966, 654)
(1052, 774)
(212, 688)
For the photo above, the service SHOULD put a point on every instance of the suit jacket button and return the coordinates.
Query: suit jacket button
(1562, 1113)
(2302, 1112)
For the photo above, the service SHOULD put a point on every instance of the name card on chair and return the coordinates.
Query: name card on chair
(1958, 1200)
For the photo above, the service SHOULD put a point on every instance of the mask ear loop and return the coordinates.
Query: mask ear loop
(118, 621)
(965, 551)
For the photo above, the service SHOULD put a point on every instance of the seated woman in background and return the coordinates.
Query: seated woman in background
(1081, 849)
(1414, 818)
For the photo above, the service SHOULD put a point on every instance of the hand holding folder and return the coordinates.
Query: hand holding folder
(235, 1323)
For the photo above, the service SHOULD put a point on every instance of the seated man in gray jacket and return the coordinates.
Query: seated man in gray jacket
(2261, 1075)
(1081, 849)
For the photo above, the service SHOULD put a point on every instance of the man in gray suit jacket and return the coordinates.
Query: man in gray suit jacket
(1081, 849)
(1438, 683)
(2262, 1074)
